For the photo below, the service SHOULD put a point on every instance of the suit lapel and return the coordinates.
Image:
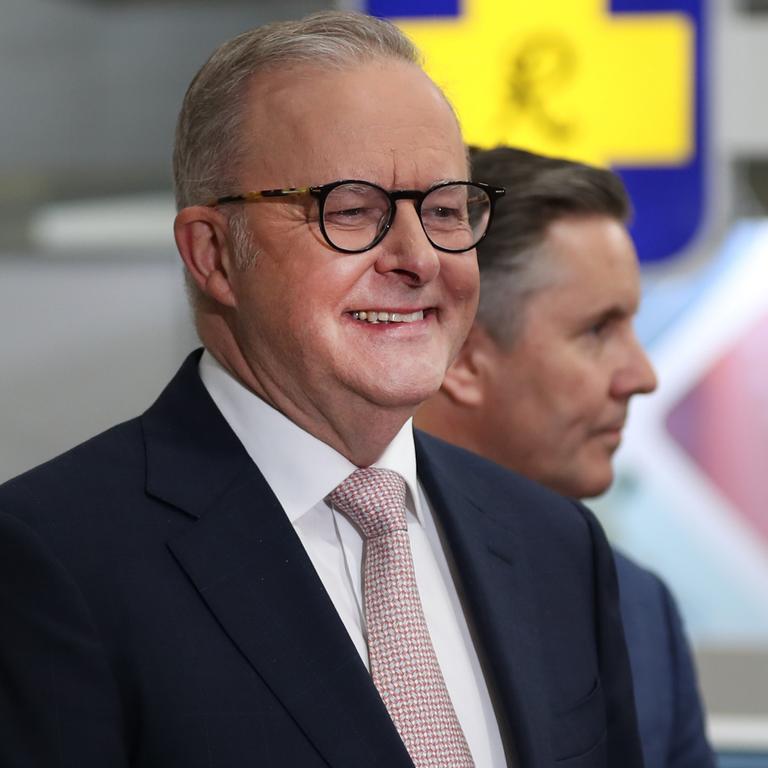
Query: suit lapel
(251, 570)
(491, 561)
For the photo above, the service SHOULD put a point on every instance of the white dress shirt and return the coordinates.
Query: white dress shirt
(301, 471)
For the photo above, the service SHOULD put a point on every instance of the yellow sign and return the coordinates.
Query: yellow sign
(567, 77)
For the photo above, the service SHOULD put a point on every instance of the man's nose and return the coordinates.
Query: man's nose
(406, 249)
(637, 375)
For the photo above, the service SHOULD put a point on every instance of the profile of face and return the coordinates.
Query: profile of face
(553, 404)
(300, 317)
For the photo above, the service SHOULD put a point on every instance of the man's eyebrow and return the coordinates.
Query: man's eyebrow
(612, 312)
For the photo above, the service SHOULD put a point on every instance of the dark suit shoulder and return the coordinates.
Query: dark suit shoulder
(637, 582)
(647, 601)
(99, 465)
(669, 708)
(90, 512)
(105, 479)
(498, 491)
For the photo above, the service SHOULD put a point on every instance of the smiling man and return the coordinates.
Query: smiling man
(268, 568)
(543, 383)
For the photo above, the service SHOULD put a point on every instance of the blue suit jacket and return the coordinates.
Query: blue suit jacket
(669, 710)
(158, 609)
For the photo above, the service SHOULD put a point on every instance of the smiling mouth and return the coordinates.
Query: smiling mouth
(383, 316)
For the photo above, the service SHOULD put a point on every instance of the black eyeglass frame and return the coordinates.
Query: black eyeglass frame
(321, 194)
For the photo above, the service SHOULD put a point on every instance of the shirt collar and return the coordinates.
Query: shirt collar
(300, 469)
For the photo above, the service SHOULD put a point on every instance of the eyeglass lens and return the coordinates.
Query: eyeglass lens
(454, 216)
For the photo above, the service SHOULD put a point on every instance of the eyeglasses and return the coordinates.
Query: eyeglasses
(355, 215)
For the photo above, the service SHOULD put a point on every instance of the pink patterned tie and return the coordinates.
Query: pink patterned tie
(404, 666)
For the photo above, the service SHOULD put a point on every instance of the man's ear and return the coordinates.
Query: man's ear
(465, 380)
(201, 237)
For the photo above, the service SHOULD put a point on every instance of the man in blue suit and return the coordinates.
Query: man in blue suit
(268, 568)
(543, 383)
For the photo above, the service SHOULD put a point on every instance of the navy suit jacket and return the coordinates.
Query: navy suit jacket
(158, 609)
(669, 710)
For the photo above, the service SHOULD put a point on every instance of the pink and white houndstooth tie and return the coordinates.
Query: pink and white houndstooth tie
(404, 666)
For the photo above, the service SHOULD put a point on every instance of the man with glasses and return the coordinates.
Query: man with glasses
(268, 568)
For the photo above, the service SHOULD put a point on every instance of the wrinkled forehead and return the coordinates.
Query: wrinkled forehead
(382, 120)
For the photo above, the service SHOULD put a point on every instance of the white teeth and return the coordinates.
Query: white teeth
(388, 317)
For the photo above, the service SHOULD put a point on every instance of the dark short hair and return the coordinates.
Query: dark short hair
(540, 191)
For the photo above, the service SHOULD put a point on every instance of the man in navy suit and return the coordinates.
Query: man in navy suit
(543, 383)
(183, 591)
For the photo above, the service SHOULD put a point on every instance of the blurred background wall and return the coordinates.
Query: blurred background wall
(93, 313)
(94, 319)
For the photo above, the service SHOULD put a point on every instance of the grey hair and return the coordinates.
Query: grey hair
(539, 191)
(208, 149)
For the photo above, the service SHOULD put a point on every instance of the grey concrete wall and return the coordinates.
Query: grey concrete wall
(90, 87)
(89, 91)
(83, 344)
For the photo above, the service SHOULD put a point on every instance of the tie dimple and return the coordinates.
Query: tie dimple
(404, 666)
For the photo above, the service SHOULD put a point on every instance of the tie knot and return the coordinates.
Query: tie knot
(373, 499)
